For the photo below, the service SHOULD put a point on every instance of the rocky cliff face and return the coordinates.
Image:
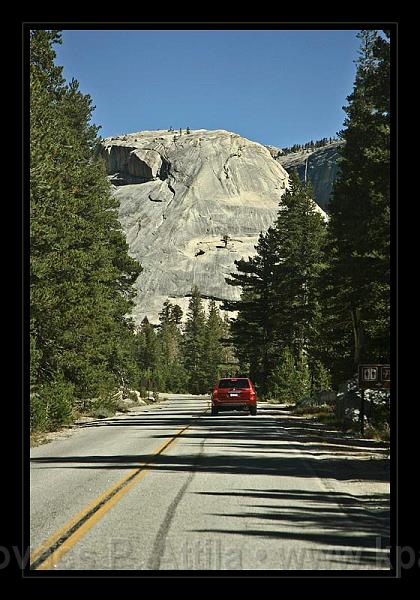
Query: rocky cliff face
(321, 170)
(179, 195)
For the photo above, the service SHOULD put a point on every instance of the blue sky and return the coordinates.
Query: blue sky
(277, 87)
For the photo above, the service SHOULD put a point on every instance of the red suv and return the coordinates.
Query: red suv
(234, 393)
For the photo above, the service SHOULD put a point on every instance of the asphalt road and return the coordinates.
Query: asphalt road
(231, 492)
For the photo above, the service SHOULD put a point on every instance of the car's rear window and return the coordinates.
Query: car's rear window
(233, 383)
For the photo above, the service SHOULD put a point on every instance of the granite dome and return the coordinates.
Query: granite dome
(178, 196)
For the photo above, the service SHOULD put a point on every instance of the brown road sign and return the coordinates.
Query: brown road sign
(386, 376)
(374, 376)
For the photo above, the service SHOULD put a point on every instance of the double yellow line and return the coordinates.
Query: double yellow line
(47, 555)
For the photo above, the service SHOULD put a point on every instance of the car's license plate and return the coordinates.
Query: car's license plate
(232, 395)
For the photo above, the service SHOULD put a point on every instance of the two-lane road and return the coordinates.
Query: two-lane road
(170, 487)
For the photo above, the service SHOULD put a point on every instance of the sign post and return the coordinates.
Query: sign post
(362, 413)
(372, 377)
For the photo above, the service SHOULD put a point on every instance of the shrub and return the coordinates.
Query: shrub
(105, 406)
(381, 432)
(52, 405)
(102, 412)
(35, 358)
(289, 381)
(38, 413)
(321, 378)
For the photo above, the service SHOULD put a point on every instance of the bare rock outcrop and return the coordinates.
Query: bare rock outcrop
(320, 167)
(179, 195)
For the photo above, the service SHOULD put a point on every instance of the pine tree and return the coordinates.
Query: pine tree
(279, 302)
(195, 345)
(213, 344)
(359, 229)
(254, 329)
(81, 274)
(170, 343)
(229, 361)
(177, 314)
(299, 236)
(320, 378)
(165, 314)
(289, 382)
(148, 355)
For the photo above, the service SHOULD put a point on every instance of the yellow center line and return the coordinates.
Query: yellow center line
(50, 552)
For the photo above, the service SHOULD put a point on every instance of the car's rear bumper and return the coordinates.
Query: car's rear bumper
(233, 405)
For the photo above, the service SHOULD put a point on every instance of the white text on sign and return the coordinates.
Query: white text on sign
(370, 374)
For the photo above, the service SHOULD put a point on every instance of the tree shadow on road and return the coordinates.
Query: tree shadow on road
(277, 447)
(244, 444)
(355, 529)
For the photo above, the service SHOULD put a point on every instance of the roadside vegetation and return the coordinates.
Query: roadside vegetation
(314, 299)
(81, 275)
(185, 357)
(377, 429)
(86, 354)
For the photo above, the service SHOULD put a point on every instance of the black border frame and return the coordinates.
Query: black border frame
(21, 305)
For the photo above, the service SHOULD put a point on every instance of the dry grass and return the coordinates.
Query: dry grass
(314, 411)
(37, 438)
(326, 416)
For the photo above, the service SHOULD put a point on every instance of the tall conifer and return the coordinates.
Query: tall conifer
(195, 345)
(81, 273)
(357, 280)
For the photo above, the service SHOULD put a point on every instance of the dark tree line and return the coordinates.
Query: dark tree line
(356, 284)
(185, 357)
(81, 275)
(309, 145)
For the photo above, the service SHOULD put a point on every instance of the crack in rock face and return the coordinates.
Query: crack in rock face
(183, 204)
(161, 192)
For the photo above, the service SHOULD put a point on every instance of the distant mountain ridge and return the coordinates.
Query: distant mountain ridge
(320, 165)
